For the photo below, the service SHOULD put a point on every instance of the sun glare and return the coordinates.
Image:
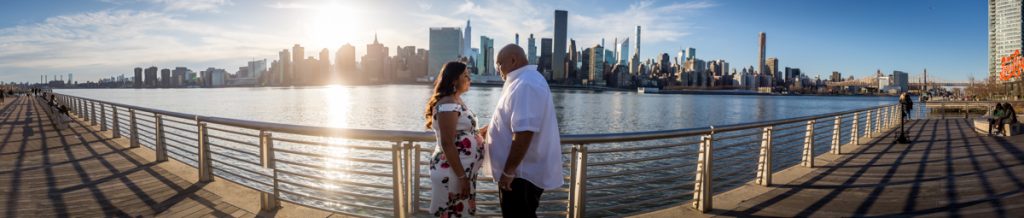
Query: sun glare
(333, 25)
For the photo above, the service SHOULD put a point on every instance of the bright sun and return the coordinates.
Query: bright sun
(333, 25)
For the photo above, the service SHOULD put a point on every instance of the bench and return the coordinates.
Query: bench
(981, 125)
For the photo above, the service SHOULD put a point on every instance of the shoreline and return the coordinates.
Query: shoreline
(555, 87)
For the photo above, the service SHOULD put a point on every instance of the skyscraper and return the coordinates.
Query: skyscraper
(324, 69)
(531, 50)
(760, 58)
(517, 38)
(375, 63)
(284, 74)
(545, 58)
(1004, 31)
(298, 75)
(772, 66)
(558, 54)
(444, 47)
(467, 40)
(623, 54)
(595, 76)
(345, 61)
(165, 78)
(691, 53)
(138, 78)
(151, 79)
(487, 55)
(634, 63)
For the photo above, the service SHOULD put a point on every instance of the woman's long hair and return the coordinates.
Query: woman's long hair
(444, 86)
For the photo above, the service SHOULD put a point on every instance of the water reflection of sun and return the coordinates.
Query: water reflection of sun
(337, 111)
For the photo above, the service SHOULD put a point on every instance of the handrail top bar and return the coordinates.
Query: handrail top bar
(428, 136)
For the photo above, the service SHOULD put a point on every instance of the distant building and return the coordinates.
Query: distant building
(901, 81)
(345, 62)
(545, 58)
(151, 80)
(596, 66)
(558, 52)
(299, 69)
(486, 56)
(213, 77)
(178, 76)
(138, 78)
(623, 55)
(376, 65)
(325, 75)
(1004, 31)
(836, 77)
(444, 47)
(467, 41)
(285, 72)
(531, 50)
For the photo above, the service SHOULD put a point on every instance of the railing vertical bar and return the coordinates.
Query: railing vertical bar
(702, 187)
(117, 123)
(764, 166)
(204, 161)
(103, 117)
(836, 135)
(854, 130)
(807, 159)
(268, 201)
(134, 128)
(161, 141)
(396, 180)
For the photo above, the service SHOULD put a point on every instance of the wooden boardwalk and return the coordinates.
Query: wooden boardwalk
(76, 172)
(948, 171)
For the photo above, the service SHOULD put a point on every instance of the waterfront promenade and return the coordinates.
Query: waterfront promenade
(949, 170)
(77, 171)
(81, 171)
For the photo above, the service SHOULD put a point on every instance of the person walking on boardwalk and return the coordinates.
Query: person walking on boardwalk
(459, 152)
(522, 139)
(907, 105)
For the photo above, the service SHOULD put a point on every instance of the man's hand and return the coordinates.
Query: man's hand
(506, 182)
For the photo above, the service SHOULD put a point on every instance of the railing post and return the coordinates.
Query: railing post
(854, 138)
(702, 187)
(416, 177)
(205, 164)
(867, 125)
(161, 142)
(268, 201)
(396, 180)
(103, 118)
(92, 113)
(808, 155)
(133, 129)
(836, 133)
(117, 122)
(407, 179)
(578, 187)
(764, 162)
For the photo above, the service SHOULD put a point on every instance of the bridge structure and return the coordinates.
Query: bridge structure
(111, 159)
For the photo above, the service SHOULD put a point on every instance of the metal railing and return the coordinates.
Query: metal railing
(369, 173)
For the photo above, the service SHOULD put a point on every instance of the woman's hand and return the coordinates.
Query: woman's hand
(464, 187)
(483, 131)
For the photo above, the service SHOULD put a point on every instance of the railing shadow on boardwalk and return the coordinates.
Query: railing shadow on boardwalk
(948, 170)
(74, 171)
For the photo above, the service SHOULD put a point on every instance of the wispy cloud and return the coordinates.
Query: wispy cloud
(115, 41)
(659, 23)
(181, 5)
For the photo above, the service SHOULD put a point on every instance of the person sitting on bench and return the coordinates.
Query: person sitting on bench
(996, 119)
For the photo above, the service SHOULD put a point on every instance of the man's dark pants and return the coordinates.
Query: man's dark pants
(522, 201)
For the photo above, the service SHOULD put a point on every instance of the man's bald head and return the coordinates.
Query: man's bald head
(511, 57)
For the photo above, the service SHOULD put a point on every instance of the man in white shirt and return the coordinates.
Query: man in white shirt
(524, 146)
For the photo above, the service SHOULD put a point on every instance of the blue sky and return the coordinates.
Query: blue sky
(102, 38)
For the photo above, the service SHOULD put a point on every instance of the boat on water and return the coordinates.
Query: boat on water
(647, 90)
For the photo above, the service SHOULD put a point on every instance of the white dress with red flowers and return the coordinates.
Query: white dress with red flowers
(444, 203)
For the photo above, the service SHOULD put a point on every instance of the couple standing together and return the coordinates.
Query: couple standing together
(521, 143)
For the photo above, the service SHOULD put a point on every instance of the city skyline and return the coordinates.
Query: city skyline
(219, 44)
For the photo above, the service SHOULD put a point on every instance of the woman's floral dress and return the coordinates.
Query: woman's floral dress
(443, 181)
